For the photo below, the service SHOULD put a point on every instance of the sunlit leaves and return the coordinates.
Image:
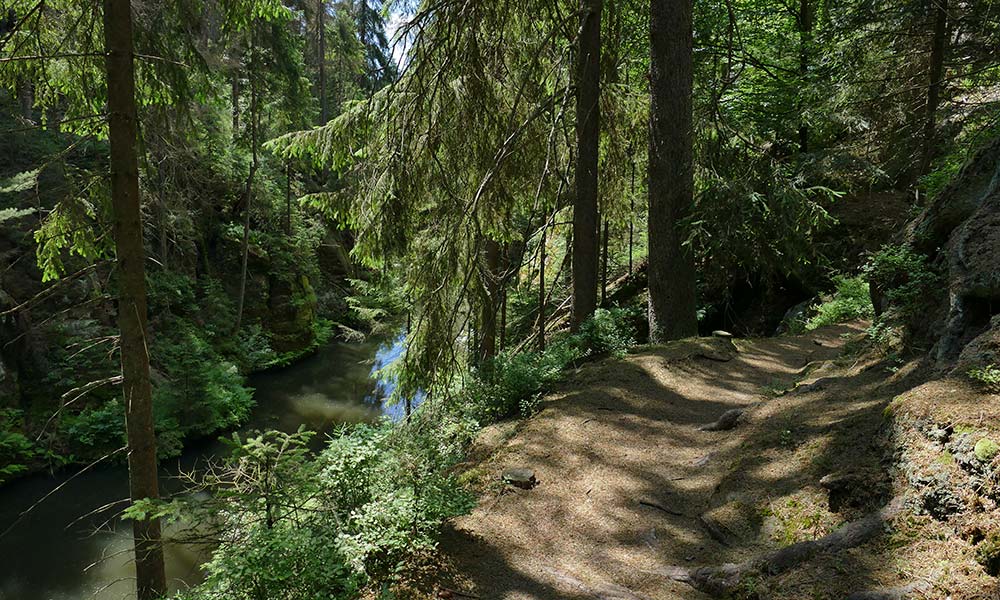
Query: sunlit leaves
(72, 228)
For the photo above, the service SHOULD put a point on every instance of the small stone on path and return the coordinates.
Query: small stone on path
(520, 477)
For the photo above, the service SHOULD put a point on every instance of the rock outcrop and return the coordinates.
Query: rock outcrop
(960, 231)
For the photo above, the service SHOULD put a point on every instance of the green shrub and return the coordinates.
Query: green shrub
(987, 376)
(97, 430)
(850, 301)
(512, 383)
(608, 332)
(295, 527)
(903, 276)
(200, 392)
(16, 450)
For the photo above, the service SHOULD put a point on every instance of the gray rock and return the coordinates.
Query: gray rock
(722, 334)
(520, 477)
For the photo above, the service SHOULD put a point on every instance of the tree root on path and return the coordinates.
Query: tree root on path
(723, 579)
(897, 593)
(604, 591)
(727, 421)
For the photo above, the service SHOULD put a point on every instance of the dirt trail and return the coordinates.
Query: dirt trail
(629, 484)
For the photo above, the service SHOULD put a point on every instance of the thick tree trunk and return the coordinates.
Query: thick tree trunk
(122, 134)
(588, 129)
(671, 171)
(935, 79)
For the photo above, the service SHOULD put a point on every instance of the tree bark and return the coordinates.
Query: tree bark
(130, 253)
(235, 101)
(321, 27)
(935, 78)
(805, 40)
(588, 129)
(604, 264)
(671, 171)
(26, 98)
(490, 304)
(288, 198)
(254, 162)
(541, 285)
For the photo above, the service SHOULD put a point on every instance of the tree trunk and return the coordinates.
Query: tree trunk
(805, 40)
(671, 172)
(541, 286)
(631, 215)
(161, 210)
(604, 264)
(254, 123)
(288, 198)
(321, 27)
(134, 342)
(488, 316)
(588, 128)
(935, 78)
(235, 100)
(26, 97)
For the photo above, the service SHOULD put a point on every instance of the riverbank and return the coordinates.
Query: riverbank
(79, 513)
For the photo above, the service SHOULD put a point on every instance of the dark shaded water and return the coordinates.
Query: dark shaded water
(71, 546)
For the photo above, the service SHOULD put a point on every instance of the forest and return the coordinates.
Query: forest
(472, 299)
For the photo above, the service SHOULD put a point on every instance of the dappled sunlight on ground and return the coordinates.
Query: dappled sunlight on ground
(628, 484)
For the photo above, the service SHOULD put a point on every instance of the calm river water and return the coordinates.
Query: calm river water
(71, 546)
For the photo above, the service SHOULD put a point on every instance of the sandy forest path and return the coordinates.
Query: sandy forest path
(628, 483)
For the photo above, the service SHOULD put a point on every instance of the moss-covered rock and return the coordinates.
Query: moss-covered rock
(292, 312)
(986, 449)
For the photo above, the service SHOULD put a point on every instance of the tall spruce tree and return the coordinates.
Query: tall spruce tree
(131, 257)
(671, 171)
(588, 132)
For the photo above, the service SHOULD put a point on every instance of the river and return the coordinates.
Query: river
(71, 546)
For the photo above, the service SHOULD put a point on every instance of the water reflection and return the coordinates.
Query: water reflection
(72, 546)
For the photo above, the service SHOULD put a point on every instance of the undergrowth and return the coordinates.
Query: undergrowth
(355, 516)
(851, 300)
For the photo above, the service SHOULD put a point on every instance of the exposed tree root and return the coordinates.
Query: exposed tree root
(897, 593)
(604, 591)
(723, 579)
(727, 421)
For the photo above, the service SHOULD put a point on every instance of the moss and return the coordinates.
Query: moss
(473, 477)
(988, 554)
(946, 458)
(986, 449)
